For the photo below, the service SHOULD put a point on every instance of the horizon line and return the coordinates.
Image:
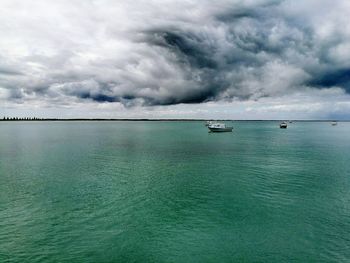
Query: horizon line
(160, 119)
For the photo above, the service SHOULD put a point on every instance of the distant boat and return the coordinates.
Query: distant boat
(334, 123)
(283, 125)
(219, 127)
(290, 121)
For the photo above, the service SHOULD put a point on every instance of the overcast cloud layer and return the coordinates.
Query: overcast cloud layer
(143, 54)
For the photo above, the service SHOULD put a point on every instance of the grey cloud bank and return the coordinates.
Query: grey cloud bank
(147, 54)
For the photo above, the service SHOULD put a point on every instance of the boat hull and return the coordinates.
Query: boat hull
(283, 126)
(227, 129)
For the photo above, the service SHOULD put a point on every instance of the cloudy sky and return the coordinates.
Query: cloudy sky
(237, 59)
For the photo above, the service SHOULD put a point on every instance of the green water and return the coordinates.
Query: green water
(172, 192)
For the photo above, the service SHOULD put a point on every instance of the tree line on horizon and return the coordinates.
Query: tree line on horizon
(6, 118)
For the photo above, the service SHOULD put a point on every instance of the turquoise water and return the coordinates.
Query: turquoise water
(172, 192)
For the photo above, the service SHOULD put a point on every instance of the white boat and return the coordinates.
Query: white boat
(334, 123)
(283, 125)
(219, 127)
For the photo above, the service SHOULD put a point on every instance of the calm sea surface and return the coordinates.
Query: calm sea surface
(172, 192)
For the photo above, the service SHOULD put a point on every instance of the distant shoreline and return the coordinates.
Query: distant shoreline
(137, 120)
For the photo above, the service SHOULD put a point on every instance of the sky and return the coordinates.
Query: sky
(223, 59)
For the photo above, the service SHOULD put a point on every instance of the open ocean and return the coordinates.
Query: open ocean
(172, 192)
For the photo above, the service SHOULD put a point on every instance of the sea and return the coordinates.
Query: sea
(170, 191)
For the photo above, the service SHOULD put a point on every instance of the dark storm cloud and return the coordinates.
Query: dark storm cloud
(97, 97)
(248, 35)
(175, 52)
(189, 48)
(331, 78)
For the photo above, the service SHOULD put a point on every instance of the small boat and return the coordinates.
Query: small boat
(334, 123)
(283, 125)
(219, 127)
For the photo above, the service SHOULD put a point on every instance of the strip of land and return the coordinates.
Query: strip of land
(11, 119)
